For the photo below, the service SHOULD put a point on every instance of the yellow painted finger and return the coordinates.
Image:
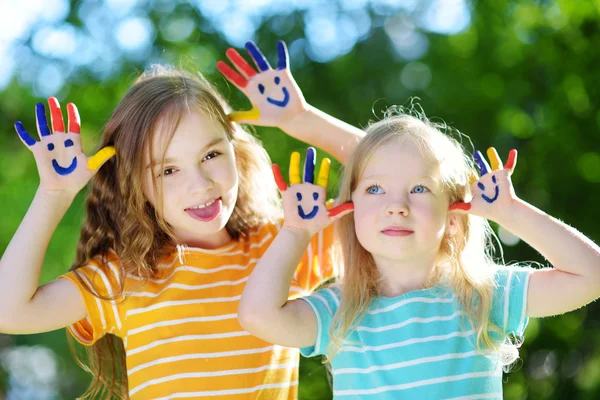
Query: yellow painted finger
(494, 159)
(295, 169)
(329, 204)
(250, 115)
(96, 161)
(323, 179)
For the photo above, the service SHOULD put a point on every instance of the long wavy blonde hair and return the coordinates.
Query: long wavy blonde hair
(465, 260)
(119, 216)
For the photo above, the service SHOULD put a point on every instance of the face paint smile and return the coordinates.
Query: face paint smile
(279, 103)
(313, 212)
(496, 191)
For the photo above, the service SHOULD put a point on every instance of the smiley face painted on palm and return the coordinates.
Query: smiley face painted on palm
(313, 212)
(484, 169)
(57, 167)
(286, 94)
(496, 191)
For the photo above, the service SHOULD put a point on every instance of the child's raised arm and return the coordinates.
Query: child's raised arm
(278, 101)
(264, 308)
(575, 279)
(63, 170)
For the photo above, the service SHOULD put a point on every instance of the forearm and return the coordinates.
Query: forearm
(324, 132)
(22, 261)
(267, 289)
(563, 246)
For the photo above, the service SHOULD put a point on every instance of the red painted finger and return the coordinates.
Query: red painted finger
(240, 63)
(231, 75)
(58, 124)
(74, 121)
(512, 160)
(279, 178)
(460, 206)
(340, 209)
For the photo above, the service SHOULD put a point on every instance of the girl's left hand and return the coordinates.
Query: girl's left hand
(274, 94)
(493, 193)
(304, 206)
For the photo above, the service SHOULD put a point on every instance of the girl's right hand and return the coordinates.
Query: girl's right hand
(304, 204)
(62, 166)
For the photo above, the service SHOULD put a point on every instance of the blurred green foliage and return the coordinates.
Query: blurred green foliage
(523, 74)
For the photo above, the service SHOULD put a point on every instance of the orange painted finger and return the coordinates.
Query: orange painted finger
(279, 178)
(512, 160)
(238, 61)
(231, 75)
(340, 209)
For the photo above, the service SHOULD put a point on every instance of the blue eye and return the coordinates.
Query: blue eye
(261, 88)
(374, 189)
(420, 189)
(277, 80)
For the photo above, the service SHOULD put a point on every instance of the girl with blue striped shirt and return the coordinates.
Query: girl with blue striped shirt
(422, 311)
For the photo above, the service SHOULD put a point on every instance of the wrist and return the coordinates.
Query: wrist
(297, 120)
(298, 234)
(55, 198)
(511, 214)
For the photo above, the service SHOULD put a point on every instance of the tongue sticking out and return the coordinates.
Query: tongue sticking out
(206, 214)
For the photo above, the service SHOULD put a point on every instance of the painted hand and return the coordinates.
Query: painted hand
(274, 94)
(60, 161)
(493, 193)
(304, 203)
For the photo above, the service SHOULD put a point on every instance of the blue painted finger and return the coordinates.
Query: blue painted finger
(25, 137)
(259, 59)
(484, 168)
(40, 114)
(283, 57)
(309, 165)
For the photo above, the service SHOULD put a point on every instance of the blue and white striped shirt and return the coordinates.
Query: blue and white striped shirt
(418, 345)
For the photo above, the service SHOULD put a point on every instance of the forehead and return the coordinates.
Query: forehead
(401, 157)
(192, 132)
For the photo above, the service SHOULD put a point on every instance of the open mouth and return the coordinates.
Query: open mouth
(206, 212)
(281, 103)
(62, 170)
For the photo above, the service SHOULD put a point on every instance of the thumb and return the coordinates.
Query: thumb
(341, 210)
(102, 156)
(460, 206)
(245, 117)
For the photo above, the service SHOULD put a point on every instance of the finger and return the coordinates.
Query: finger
(329, 204)
(309, 165)
(494, 159)
(512, 160)
(250, 115)
(460, 206)
(25, 137)
(231, 75)
(295, 169)
(257, 56)
(484, 167)
(74, 120)
(341, 209)
(238, 61)
(279, 178)
(98, 159)
(323, 179)
(58, 124)
(40, 118)
(283, 55)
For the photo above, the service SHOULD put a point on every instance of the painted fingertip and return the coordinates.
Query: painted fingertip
(23, 134)
(40, 113)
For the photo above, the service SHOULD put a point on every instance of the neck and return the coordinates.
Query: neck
(208, 242)
(404, 275)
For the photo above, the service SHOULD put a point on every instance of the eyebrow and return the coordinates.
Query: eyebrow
(168, 160)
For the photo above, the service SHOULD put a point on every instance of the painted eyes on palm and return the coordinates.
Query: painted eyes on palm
(492, 199)
(313, 212)
(278, 103)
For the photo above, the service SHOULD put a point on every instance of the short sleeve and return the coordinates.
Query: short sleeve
(509, 303)
(97, 278)
(324, 304)
(317, 265)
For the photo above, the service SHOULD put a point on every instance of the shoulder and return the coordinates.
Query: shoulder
(100, 274)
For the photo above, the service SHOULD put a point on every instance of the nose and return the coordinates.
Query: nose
(200, 182)
(397, 208)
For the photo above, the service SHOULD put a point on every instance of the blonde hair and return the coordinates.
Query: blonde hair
(118, 214)
(465, 259)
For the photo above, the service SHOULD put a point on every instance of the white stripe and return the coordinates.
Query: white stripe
(411, 385)
(334, 295)
(296, 289)
(109, 290)
(506, 296)
(115, 272)
(98, 301)
(179, 322)
(322, 300)
(230, 391)
(209, 374)
(497, 395)
(413, 300)
(402, 364)
(197, 271)
(180, 303)
(364, 349)
(525, 296)
(252, 246)
(186, 338)
(408, 322)
(187, 287)
(198, 356)
(73, 330)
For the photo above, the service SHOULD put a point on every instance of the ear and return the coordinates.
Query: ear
(452, 224)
